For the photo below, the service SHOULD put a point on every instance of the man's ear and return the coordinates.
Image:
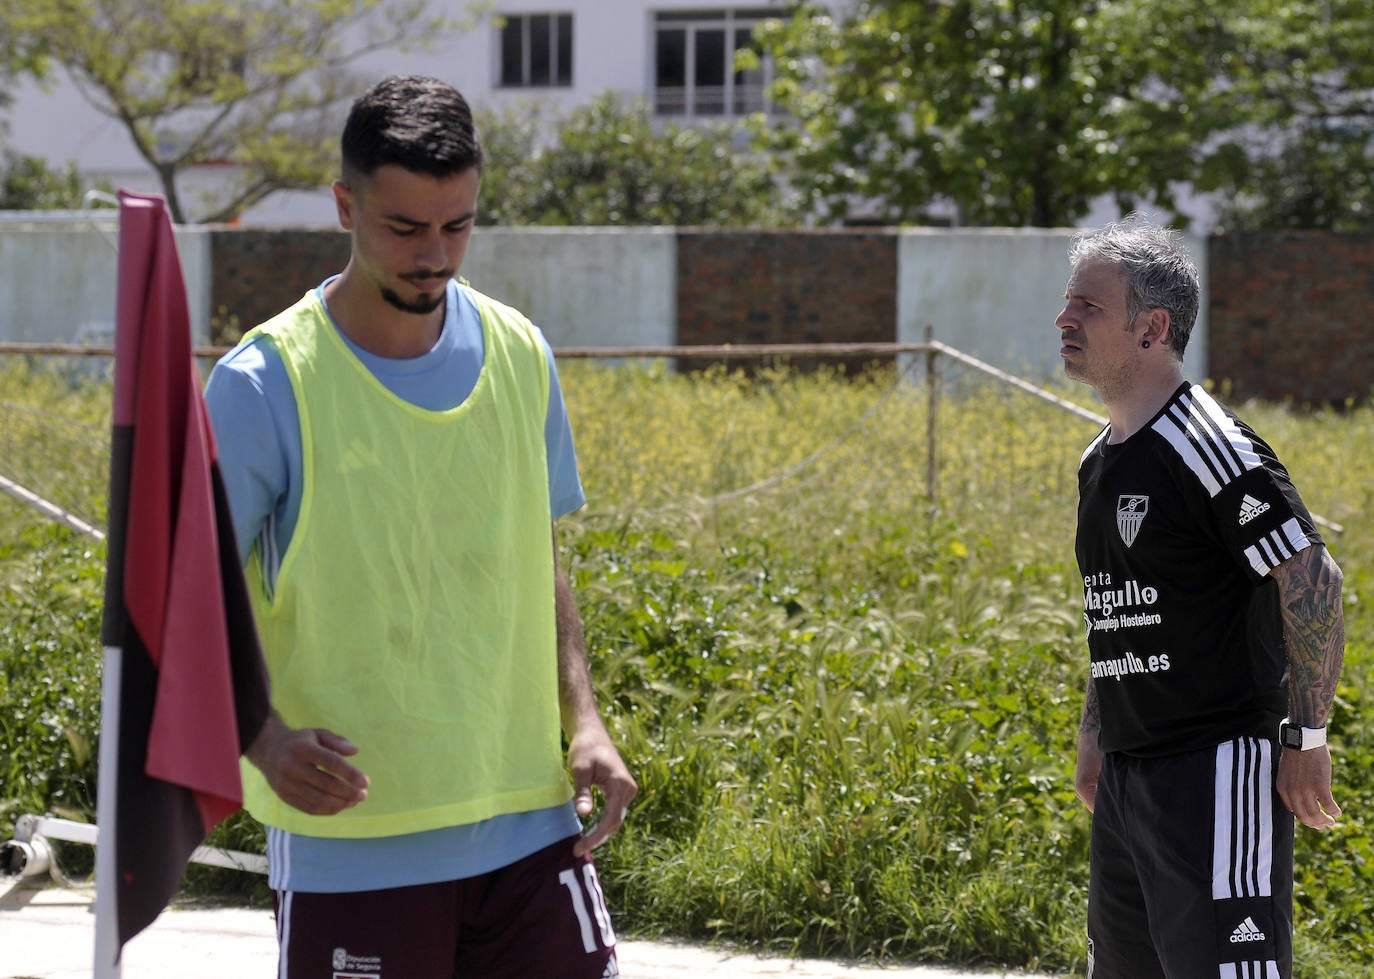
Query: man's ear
(1157, 325)
(344, 204)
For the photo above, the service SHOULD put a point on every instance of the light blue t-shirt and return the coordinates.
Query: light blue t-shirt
(257, 429)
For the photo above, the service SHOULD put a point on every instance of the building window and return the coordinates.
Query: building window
(694, 56)
(536, 50)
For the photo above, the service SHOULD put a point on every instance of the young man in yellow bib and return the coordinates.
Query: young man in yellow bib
(396, 449)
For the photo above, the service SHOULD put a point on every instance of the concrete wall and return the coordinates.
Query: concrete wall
(584, 287)
(57, 280)
(1284, 315)
(995, 293)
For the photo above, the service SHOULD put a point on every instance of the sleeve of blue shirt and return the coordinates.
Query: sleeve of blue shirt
(253, 439)
(565, 482)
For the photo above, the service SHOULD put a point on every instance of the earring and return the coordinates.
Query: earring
(1145, 344)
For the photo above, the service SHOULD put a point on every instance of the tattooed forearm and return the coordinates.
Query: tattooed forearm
(1314, 632)
(1092, 713)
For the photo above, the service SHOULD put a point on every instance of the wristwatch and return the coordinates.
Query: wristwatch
(1301, 738)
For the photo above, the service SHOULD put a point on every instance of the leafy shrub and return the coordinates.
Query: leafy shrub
(851, 705)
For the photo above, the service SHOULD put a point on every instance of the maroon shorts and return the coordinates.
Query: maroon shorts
(543, 916)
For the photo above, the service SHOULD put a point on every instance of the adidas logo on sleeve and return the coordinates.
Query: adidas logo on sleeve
(1247, 931)
(1250, 508)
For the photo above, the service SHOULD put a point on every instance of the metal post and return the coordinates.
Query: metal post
(932, 401)
(107, 947)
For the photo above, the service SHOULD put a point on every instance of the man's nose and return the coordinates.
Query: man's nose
(431, 253)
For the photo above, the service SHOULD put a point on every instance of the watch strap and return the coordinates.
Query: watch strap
(1301, 738)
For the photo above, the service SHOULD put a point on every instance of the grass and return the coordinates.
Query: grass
(851, 705)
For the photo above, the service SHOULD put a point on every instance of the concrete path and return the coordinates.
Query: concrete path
(46, 932)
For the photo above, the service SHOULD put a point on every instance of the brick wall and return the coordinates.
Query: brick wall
(258, 272)
(1291, 315)
(786, 287)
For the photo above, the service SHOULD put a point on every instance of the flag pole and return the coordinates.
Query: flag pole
(185, 686)
(107, 948)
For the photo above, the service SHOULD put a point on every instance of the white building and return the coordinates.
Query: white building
(676, 54)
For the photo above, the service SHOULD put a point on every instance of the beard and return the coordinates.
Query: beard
(420, 305)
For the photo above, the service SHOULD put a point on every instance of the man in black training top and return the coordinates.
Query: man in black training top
(1214, 625)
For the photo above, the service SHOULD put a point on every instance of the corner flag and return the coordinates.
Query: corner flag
(185, 686)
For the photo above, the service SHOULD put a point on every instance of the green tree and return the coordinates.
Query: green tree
(1317, 178)
(1010, 110)
(1290, 90)
(510, 162)
(29, 184)
(608, 163)
(257, 84)
(1023, 112)
(17, 57)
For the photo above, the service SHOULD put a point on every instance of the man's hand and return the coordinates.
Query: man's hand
(1305, 786)
(593, 761)
(306, 767)
(1089, 766)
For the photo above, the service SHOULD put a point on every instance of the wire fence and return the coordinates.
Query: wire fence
(53, 462)
(934, 404)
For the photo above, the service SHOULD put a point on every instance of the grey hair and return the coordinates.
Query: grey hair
(1158, 271)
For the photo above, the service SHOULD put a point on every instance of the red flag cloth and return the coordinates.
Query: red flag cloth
(193, 685)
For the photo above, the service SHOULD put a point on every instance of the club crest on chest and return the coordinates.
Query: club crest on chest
(1130, 514)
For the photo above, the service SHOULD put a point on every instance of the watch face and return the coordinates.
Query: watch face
(1290, 737)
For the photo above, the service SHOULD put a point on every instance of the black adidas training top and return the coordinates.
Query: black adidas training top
(1178, 529)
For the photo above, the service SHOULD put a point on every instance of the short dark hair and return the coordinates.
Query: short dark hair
(1157, 270)
(419, 123)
